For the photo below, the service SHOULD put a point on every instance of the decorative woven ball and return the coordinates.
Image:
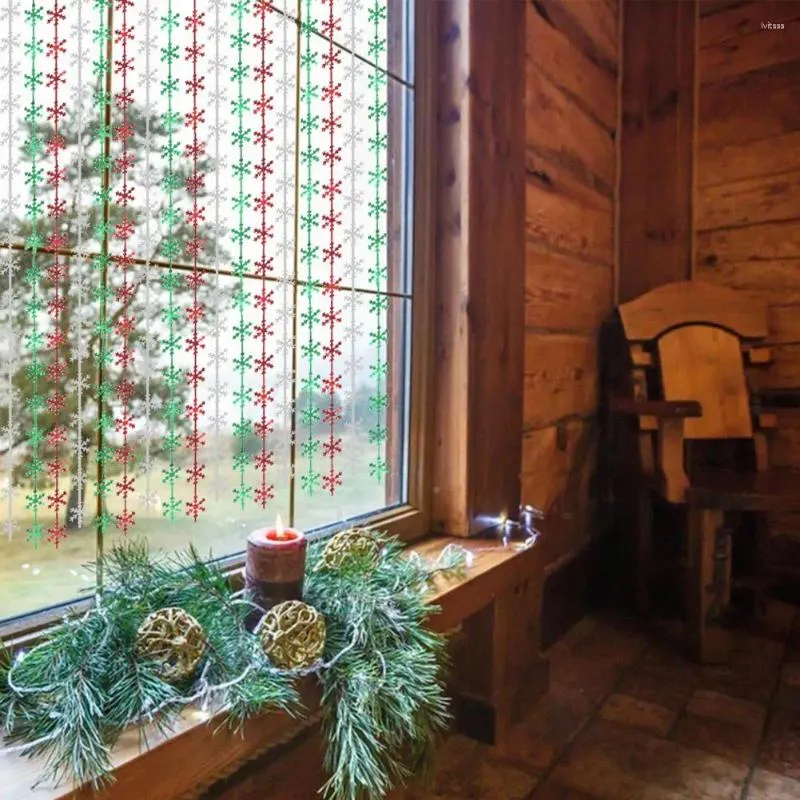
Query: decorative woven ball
(355, 543)
(293, 635)
(174, 640)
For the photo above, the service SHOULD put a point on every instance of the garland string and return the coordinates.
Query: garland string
(171, 281)
(377, 243)
(242, 492)
(125, 326)
(310, 317)
(196, 312)
(33, 244)
(9, 264)
(264, 234)
(331, 123)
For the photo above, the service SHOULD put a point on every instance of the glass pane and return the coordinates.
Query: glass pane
(72, 211)
(224, 269)
(372, 394)
(354, 145)
(377, 31)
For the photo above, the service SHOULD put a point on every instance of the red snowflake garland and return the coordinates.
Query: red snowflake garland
(331, 221)
(195, 185)
(56, 271)
(122, 232)
(263, 234)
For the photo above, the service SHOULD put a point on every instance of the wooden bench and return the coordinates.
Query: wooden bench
(497, 605)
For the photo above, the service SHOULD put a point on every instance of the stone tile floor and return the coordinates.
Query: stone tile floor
(628, 718)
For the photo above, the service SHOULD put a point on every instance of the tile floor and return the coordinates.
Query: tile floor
(627, 718)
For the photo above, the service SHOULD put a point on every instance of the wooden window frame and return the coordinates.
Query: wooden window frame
(470, 57)
(411, 520)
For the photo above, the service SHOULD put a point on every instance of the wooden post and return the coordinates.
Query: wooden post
(480, 264)
(657, 148)
(501, 673)
(708, 584)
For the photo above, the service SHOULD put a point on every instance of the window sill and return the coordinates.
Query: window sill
(193, 756)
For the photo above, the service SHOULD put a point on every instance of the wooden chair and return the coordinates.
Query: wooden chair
(694, 354)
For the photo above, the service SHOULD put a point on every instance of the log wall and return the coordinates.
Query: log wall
(747, 214)
(571, 168)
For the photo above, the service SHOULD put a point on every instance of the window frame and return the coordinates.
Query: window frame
(411, 520)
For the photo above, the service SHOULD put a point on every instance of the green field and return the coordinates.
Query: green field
(33, 578)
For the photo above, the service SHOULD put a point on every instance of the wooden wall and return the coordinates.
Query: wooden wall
(747, 217)
(655, 197)
(571, 170)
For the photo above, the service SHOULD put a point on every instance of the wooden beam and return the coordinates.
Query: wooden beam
(480, 264)
(656, 187)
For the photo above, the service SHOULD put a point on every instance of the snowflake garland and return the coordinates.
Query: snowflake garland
(171, 280)
(264, 234)
(310, 317)
(100, 262)
(242, 362)
(34, 340)
(377, 242)
(300, 283)
(331, 222)
(195, 247)
(123, 231)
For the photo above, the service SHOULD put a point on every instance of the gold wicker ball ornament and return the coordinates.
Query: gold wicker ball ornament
(174, 640)
(351, 545)
(293, 635)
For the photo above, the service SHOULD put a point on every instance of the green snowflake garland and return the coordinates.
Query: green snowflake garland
(242, 330)
(377, 241)
(311, 348)
(101, 292)
(34, 341)
(171, 280)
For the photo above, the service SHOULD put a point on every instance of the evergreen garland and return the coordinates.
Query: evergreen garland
(70, 698)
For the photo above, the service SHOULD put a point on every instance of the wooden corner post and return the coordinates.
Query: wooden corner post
(480, 257)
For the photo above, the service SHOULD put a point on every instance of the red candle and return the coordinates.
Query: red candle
(275, 565)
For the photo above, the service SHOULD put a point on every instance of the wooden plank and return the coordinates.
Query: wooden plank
(709, 7)
(452, 208)
(657, 146)
(760, 105)
(553, 461)
(750, 201)
(759, 50)
(689, 302)
(760, 158)
(785, 443)
(766, 241)
(784, 321)
(706, 637)
(560, 377)
(496, 232)
(558, 214)
(774, 281)
(702, 363)
(556, 127)
(569, 69)
(784, 371)
(742, 20)
(191, 757)
(563, 293)
(480, 317)
(591, 25)
(634, 150)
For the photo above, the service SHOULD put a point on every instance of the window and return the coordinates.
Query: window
(207, 302)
